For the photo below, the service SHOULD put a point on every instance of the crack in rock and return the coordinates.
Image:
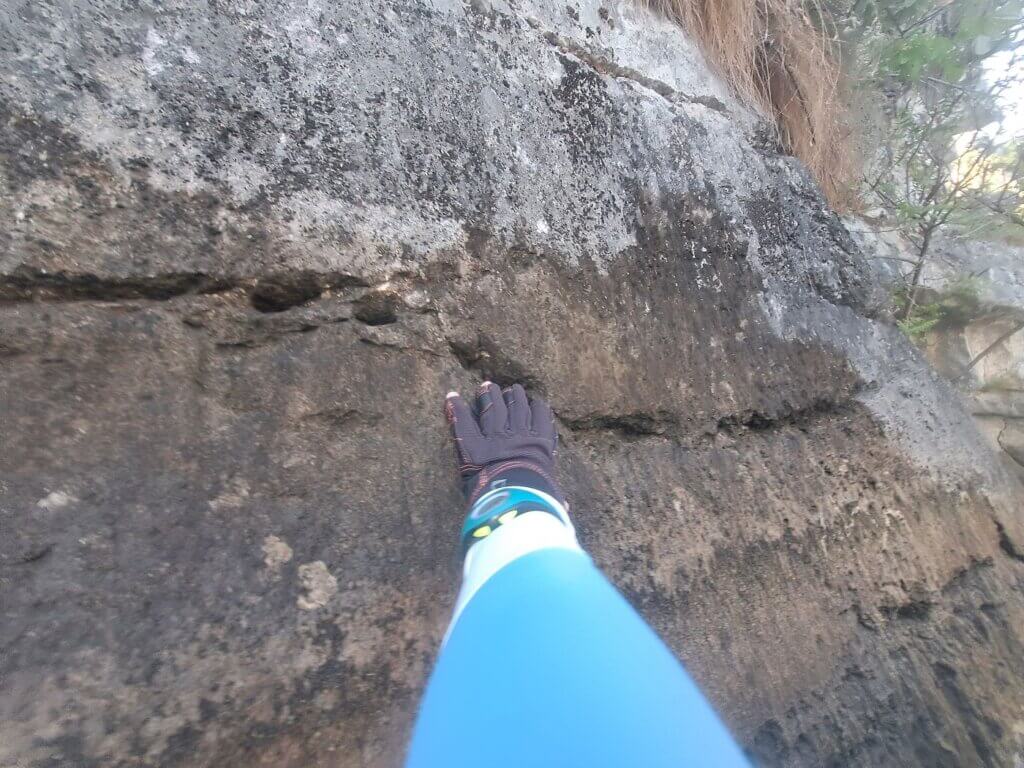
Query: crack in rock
(284, 290)
(605, 66)
(27, 284)
(627, 424)
(271, 293)
(661, 423)
(344, 418)
(1007, 544)
(759, 421)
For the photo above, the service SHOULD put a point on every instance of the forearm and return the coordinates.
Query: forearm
(505, 524)
(544, 663)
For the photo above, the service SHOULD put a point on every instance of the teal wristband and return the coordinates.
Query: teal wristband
(501, 506)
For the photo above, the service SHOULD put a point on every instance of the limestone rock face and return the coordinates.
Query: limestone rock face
(247, 248)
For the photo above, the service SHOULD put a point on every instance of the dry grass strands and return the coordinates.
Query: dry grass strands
(778, 59)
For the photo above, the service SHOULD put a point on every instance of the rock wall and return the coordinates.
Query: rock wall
(247, 249)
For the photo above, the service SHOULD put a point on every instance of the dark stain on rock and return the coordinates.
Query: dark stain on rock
(587, 112)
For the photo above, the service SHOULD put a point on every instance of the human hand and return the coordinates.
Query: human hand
(505, 438)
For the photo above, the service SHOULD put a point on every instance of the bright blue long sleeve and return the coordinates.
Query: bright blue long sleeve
(547, 665)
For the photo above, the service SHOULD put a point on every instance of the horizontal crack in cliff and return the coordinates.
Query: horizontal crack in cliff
(758, 421)
(628, 424)
(284, 290)
(661, 423)
(343, 418)
(606, 66)
(262, 336)
(25, 284)
(271, 293)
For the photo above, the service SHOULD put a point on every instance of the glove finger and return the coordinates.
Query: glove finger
(542, 420)
(465, 430)
(490, 406)
(518, 408)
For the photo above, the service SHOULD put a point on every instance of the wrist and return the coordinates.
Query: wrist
(504, 491)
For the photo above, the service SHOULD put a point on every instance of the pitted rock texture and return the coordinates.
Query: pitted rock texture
(249, 247)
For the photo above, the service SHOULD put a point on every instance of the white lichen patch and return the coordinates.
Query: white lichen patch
(232, 497)
(150, 52)
(55, 500)
(276, 552)
(318, 583)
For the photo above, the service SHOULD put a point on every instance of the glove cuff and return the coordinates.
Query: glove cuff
(519, 472)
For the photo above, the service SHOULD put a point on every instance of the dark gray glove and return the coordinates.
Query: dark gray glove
(504, 439)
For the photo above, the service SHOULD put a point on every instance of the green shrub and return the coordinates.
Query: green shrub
(954, 306)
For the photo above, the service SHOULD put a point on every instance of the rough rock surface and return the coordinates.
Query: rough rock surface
(247, 248)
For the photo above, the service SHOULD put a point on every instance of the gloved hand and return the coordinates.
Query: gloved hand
(505, 440)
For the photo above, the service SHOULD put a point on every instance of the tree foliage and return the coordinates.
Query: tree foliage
(953, 307)
(947, 160)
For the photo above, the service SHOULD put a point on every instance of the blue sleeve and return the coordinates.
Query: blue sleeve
(549, 666)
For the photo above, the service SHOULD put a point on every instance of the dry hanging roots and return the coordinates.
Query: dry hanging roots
(778, 59)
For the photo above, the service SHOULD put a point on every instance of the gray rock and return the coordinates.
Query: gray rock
(998, 268)
(1011, 438)
(999, 403)
(250, 247)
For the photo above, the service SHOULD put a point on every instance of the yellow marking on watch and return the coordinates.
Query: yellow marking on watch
(483, 530)
(508, 516)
